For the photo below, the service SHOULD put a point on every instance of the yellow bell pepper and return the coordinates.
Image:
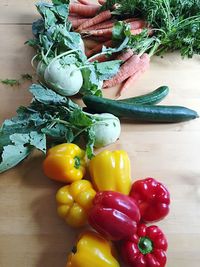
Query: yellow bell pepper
(111, 170)
(65, 163)
(92, 250)
(74, 201)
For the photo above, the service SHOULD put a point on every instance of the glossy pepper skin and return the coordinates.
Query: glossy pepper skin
(146, 248)
(65, 163)
(111, 170)
(114, 215)
(152, 198)
(74, 202)
(92, 250)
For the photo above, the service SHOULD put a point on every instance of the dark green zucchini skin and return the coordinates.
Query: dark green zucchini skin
(151, 98)
(148, 113)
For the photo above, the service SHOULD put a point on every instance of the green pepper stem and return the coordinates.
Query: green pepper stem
(77, 162)
(145, 245)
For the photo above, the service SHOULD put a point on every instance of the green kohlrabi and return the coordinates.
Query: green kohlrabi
(107, 130)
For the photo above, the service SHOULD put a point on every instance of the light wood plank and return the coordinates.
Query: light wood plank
(17, 12)
(31, 234)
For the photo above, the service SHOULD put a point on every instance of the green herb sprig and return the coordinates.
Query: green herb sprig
(175, 23)
(17, 82)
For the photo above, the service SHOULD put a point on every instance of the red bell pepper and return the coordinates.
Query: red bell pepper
(146, 248)
(114, 215)
(152, 198)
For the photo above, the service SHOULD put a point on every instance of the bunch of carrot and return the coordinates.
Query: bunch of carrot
(90, 23)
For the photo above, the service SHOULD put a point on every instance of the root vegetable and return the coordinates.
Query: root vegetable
(64, 79)
(107, 130)
(105, 15)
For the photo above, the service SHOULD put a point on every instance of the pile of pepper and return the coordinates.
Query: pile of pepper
(117, 209)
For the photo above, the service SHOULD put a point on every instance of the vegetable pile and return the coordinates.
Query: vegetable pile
(129, 33)
(145, 27)
(53, 116)
(118, 210)
(64, 69)
(60, 54)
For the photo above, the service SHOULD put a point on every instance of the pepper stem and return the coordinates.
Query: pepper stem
(77, 162)
(145, 245)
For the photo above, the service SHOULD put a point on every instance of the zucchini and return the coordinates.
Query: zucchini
(148, 113)
(151, 98)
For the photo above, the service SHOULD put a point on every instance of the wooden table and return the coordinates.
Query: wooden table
(31, 233)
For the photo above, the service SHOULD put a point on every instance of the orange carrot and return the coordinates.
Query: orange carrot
(130, 20)
(144, 64)
(98, 48)
(103, 25)
(99, 33)
(75, 16)
(76, 21)
(136, 31)
(124, 56)
(125, 71)
(137, 24)
(83, 10)
(129, 82)
(89, 44)
(86, 2)
(105, 15)
(101, 2)
(99, 38)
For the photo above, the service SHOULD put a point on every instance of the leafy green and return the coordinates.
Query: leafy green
(90, 81)
(120, 30)
(54, 13)
(17, 82)
(105, 70)
(11, 82)
(48, 117)
(53, 39)
(59, 2)
(20, 146)
(90, 143)
(46, 96)
(175, 23)
(14, 153)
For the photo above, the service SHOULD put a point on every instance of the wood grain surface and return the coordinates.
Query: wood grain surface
(31, 233)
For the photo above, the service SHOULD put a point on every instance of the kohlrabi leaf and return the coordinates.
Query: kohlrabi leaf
(60, 2)
(78, 118)
(48, 15)
(60, 132)
(61, 11)
(12, 155)
(38, 27)
(107, 69)
(91, 82)
(90, 143)
(21, 145)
